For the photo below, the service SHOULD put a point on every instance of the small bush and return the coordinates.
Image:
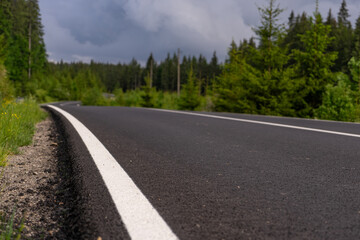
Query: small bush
(338, 102)
(94, 97)
(189, 98)
(147, 95)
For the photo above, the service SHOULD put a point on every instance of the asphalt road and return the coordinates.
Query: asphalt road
(222, 179)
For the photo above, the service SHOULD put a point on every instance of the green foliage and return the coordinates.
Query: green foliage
(354, 66)
(291, 72)
(160, 99)
(147, 96)
(166, 100)
(25, 53)
(6, 88)
(119, 97)
(234, 88)
(313, 64)
(356, 48)
(8, 229)
(189, 98)
(17, 124)
(94, 97)
(271, 34)
(343, 42)
(338, 102)
(42, 96)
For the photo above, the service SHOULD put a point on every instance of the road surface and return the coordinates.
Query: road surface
(233, 177)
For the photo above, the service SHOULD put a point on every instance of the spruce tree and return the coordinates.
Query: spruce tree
(189, 98)
(237, 88)
(270, 34)
(295, 29)
(344, 39)
(5, 20)
(147, 95)
(150, 69)
(273, 58)
(356, 50)
(20, 22)
(214, 68)
(331, 21)
(313, 65)
(36, 46)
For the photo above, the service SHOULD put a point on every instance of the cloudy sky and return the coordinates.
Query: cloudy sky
(119, 30)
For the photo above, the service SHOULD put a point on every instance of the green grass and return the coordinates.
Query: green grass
(17, 126)
(8, 230)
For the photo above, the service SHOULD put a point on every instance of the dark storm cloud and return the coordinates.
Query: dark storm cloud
(118, 30)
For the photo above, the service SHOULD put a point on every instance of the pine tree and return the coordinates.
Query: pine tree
(313, 65)
(291, 20)
(273, 58)
(343, 15)
(20, 23)
(331, 21)
(150, 68)
(237, 88)
(344, 39)
(270, 34)
(147, 96)
(295, 29)
(166, 73)
(5, 20)
(248, 51)
(214, 68)
(36, 45)
(202, 70)
(233, 47)
(356, 50)
(189, 98)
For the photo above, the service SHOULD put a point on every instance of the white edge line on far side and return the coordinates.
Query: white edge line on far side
(259, 122)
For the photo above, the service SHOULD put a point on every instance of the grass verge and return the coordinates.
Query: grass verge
(17, 127)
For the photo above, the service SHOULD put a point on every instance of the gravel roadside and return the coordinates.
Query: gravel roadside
(36, 183)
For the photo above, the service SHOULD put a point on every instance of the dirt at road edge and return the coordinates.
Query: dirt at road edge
(37, 184)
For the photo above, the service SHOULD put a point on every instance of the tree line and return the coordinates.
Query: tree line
(307, 67)
(131, 76)
(23, 52)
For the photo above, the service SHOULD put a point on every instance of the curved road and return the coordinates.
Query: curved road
(219, 178)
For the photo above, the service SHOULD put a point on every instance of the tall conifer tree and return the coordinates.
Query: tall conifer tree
(344, 39)
(313, 65)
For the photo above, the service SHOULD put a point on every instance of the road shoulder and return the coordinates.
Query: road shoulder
(33, 185)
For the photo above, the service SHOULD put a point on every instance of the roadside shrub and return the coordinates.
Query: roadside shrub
(189, 98)
(338, 102)
(94, 97)
(147, 96)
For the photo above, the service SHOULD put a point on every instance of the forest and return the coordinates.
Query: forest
(306, 67)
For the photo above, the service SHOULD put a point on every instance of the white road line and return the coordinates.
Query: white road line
(141, 219)
(259, 122)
